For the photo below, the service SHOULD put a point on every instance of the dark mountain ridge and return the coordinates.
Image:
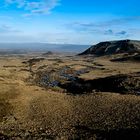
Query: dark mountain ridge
(113, 47)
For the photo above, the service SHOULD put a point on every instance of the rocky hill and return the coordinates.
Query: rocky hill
(113, 47)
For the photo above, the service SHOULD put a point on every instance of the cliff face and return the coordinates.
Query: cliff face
(113, 47)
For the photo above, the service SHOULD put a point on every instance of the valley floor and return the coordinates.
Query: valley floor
(68, 110)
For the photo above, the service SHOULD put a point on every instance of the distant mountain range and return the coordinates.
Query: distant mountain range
(18, 48)
(100, 49)
(113, 47)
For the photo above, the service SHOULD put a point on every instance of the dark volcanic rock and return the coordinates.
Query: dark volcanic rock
(135, 58)
(113, 47)
(123, 84)
(47, 53)
(54, 78)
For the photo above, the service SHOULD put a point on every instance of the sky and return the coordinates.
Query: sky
(69, 21)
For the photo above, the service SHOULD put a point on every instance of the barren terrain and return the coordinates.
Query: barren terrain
(68, 97)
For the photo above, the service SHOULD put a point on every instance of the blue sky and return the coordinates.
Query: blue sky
(69, 21)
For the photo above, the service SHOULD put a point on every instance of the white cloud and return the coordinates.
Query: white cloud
(19, 3)
(35, 7)
(4, 29)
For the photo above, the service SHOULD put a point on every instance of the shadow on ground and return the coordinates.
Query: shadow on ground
(120, 134)
(123, 84)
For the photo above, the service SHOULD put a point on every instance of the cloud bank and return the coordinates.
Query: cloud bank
(5, 29)
(119, 27)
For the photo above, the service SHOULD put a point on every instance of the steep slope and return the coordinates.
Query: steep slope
(113, 47)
